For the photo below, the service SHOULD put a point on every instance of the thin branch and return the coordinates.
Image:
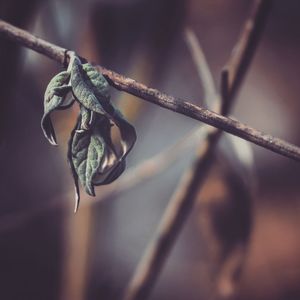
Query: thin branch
(184, 197)
(154, 96)
(212, 99)
(225, 92)
(244, 50)
(32, 42)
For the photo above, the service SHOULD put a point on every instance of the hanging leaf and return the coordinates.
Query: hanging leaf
(90, 150)
(73, 170)
(93, 155)
(55, 93)
(128, 138)
(127, 131)
(112, 175)
(88, 88)
(100, 84)
(110, 164)
(91, 88)
(87, 153)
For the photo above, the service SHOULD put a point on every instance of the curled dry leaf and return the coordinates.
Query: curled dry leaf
(99, 83)
(127, 131)
(114, 163)
(92, 154)
(74, 173)
(54, 97)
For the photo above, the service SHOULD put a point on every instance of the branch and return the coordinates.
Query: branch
(212, 100)
(154, 96)
(244, 50)
(184, 197)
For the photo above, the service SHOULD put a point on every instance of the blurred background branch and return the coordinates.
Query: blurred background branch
(184, 197)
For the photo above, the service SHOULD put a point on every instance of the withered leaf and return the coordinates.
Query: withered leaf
(100, 84)
(127, 132)
(113, 164)
(73, 170)
(89, 87)
(87, 152)
(54, 97)
(114, 172)
(93, 155)
(91, 152)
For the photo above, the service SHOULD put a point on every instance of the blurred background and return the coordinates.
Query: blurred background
(242, 240)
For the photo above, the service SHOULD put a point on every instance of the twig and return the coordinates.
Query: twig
(154, 96)
(183, 199)
(212, 99)
(243, 52)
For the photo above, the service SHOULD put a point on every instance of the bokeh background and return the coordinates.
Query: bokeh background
(242, 240)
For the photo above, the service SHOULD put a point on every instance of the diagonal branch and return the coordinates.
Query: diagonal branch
(211, 99)
(244, 50)
(184, 197)
(154, 96)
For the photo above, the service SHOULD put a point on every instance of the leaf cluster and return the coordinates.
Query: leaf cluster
(95, 157)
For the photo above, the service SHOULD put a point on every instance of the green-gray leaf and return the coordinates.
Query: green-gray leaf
(92, 90)
(100, 84)
(54, 97)
(87, 153)
(89, 87)
(92, 155)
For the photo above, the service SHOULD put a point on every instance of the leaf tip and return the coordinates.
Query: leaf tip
(53, 142)
(90, 190)
(77, 200)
